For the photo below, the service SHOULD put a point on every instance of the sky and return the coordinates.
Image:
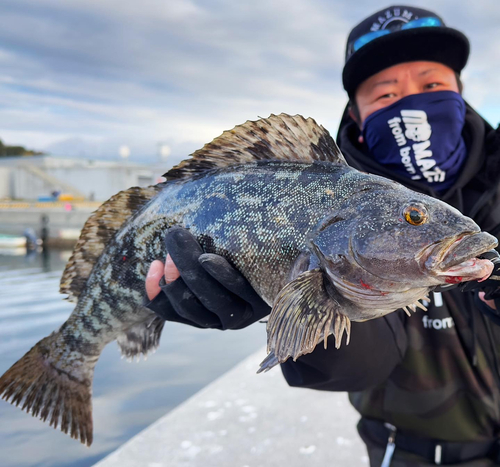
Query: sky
(84, 77)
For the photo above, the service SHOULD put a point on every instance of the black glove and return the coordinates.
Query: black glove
(210, 293)
(490, 286)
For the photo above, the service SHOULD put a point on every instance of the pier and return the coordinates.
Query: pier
(247, 420)
(64, 220)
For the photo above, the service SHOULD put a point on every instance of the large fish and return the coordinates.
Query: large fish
(321, 242)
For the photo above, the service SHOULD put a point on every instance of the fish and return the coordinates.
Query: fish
(321, 242)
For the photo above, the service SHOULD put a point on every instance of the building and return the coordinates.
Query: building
(34, 177)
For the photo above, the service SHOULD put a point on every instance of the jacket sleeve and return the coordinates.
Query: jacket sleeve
(376, 347)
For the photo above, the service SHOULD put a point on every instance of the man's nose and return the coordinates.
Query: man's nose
(410, 87)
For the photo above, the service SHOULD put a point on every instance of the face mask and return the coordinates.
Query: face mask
(420, 137)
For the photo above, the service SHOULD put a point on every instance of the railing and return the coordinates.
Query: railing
(51, 180)
(84, 205)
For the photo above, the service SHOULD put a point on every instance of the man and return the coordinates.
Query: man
(427, 387)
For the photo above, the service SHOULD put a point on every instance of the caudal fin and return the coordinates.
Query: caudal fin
(38, 386)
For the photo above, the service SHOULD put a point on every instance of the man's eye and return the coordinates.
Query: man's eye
(432, 85)
(389, 95)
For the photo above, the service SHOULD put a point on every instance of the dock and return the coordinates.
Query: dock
(64, 220)
(247, 420)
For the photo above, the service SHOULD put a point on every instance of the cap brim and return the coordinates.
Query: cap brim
(433, 44)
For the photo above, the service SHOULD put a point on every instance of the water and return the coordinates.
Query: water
(127, 396)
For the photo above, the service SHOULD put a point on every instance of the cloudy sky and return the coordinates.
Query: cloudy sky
(83, 77)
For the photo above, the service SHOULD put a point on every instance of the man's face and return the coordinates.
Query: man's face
(398, 81)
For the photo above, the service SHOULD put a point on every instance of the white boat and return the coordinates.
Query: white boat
(12, 241)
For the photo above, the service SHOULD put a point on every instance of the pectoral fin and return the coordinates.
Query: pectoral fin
(303, 315)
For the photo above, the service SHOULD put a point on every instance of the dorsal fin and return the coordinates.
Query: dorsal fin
(100, 227)
(279, 137)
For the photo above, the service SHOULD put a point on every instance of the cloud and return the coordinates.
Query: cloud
(181, 71)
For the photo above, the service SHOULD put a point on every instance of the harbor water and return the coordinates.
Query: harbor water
(127, 396)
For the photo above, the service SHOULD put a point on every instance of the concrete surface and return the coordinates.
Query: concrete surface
(247, 420)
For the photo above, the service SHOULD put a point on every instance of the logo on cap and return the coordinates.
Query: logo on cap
(390, 15)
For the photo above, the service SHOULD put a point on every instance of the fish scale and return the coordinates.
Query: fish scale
(255, 239)
(321, 242)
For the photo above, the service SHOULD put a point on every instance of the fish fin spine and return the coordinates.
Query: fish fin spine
(303, 315)
(141, 338)
(38, 387)
(269, 362)
(280, 138)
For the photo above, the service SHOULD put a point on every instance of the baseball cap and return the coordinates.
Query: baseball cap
(400, 34)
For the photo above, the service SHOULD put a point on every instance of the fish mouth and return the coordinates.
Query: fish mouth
(455, 259)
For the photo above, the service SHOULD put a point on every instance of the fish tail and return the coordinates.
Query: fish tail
(40, 384)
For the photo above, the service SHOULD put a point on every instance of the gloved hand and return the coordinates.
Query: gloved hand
(490, 286)
(210, 293)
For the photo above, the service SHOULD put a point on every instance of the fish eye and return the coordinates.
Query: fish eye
(415, 215)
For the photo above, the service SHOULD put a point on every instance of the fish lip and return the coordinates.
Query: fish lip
(433, 254)
(441, 256)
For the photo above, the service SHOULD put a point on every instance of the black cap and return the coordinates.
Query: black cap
(434, 43)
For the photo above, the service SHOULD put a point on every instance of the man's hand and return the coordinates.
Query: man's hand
(490, 303)
(157, 270)
(200, 289)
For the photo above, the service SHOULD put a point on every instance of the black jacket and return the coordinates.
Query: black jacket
(435, 374)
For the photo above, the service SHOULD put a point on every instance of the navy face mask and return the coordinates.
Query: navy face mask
(420, 137)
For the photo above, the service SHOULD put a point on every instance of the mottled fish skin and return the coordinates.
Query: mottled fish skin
(258, 216)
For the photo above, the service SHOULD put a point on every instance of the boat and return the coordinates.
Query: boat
(12, 241)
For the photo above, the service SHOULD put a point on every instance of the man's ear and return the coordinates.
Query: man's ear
(354, 112)
(354, 115)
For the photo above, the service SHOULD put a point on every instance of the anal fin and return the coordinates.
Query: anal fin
(141, 338)
(303, 315)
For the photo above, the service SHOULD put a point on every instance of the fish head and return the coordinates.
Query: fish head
(387, 239)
